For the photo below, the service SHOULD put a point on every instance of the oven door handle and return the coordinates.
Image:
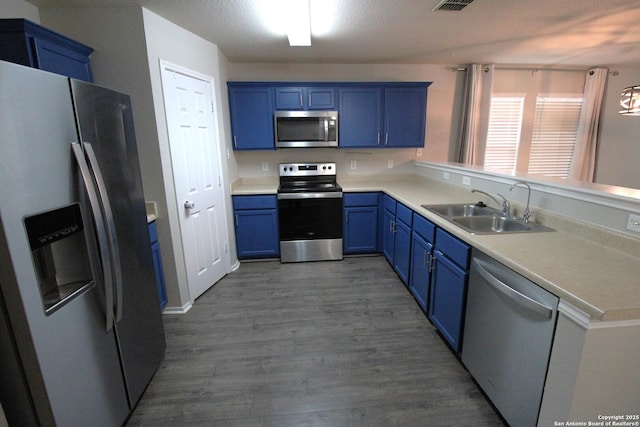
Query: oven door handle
(327, 195)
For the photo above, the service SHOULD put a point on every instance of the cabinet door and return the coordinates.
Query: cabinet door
(402, 251)
(388, 235)
(360, 123)
(252, 118)
(61, 60)
(421, 253)
(257, 233)
(290, 98)
(320, 98)
(405, 115)
(447, 299)
(360, 229)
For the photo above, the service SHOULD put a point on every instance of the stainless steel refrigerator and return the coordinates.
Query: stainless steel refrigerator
(81, 332)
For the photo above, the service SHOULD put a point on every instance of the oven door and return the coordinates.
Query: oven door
(310, 226)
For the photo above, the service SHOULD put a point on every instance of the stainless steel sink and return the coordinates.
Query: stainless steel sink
(478, 219)
(455, 210)
(497, 224)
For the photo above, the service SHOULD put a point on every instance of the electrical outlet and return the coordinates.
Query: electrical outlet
(633, 223)
(265, 166)
(466, 180)
(353, 164)
(445, 175)
(418, 152)
(389, 164)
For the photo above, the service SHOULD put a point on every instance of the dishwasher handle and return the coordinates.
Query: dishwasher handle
(516, 296)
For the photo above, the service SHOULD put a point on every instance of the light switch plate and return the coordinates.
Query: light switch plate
(353, 164)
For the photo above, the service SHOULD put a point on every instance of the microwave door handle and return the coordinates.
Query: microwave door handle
(326, 129)
(100, 232)
(111, 227)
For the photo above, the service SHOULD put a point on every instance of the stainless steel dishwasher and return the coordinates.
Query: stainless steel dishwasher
(509, 327)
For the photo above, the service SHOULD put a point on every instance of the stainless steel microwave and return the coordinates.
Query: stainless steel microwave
(306, 129)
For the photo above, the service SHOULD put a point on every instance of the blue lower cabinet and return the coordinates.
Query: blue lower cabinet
(448, 295)
(422, 240)
(256, 225)
(157, 264)
(421, 253)
(402, 255)
(360, 223)
(396, 236)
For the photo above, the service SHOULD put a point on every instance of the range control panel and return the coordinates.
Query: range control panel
(307, 169)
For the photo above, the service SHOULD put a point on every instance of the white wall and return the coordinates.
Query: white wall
(619, 151)
(19, 9)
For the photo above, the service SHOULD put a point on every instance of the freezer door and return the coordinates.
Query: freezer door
(105, 123)
(71, 364)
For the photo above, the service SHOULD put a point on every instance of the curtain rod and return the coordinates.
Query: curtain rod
(613, 73)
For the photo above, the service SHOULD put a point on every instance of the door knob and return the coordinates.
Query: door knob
(189, 205)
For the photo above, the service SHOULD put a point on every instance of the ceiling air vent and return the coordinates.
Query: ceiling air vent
(452, 5)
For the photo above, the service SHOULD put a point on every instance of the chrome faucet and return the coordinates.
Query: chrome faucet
(504, 205)
(527, 213)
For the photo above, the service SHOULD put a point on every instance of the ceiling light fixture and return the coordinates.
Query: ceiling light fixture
(630, 101)
(298, 23)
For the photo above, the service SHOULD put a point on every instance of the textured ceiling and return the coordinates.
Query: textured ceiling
(532, 32)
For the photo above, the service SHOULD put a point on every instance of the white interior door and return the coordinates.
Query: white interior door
(193, 139)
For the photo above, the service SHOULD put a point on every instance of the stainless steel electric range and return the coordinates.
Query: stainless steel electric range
(309, 212)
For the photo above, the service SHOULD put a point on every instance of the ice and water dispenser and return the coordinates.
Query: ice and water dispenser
(60, 255)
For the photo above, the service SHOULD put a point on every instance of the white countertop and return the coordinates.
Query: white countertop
(582, 265)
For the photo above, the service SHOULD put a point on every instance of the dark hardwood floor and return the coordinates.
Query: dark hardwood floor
(310, 344)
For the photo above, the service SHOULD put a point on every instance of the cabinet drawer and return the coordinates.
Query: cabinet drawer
(423, 227)
(404, 214)
(255, 202)
(455, 249)
(360, 199)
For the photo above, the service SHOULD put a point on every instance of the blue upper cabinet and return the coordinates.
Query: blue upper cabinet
(251, 117)
(405, 110)
(305, 98)
(29, 44)
(360, 116)
(370, 115)
(385, 115)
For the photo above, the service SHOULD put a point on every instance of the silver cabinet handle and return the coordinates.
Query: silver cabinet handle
(111, 227)
(516, 296)
(189, 204)
(107, 269)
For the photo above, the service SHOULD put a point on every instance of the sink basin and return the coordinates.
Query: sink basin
(497, 224)
(483, 220)
(460, 209)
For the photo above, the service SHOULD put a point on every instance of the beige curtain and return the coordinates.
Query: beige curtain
(475, 113)
(583, 163)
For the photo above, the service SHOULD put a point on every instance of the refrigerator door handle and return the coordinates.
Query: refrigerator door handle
(100, 232)
(111, 227)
